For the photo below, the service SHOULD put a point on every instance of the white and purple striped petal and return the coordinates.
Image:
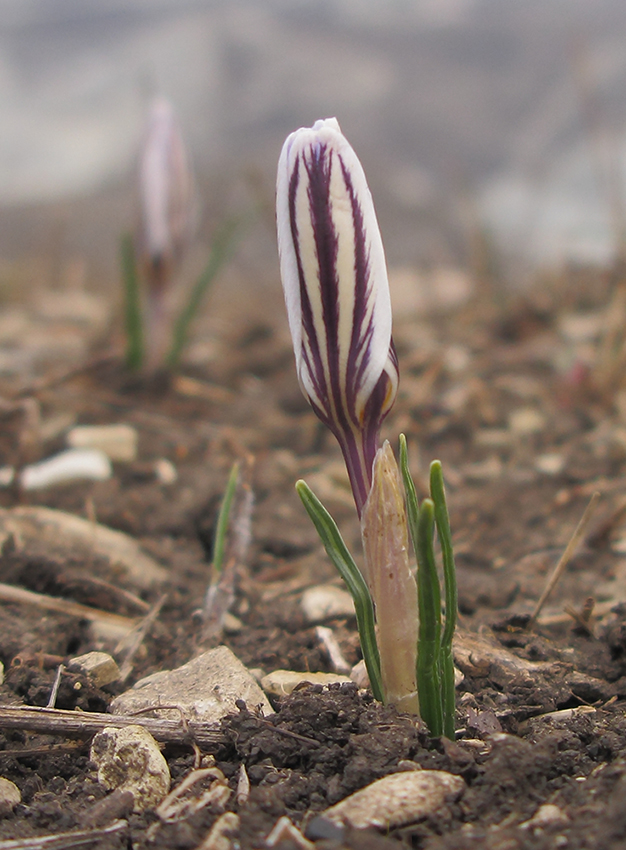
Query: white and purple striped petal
(336, 291)
(166, 192)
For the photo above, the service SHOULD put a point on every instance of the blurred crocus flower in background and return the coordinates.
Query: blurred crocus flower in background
(166, 192)
(166, 202)
(337, 293)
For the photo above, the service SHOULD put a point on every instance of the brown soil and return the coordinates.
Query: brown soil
(525, 412)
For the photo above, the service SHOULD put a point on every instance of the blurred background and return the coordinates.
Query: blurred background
(483, 125)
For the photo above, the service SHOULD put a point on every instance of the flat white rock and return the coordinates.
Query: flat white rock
(282, 682)
(118, 442)
(70, 465)
(325, 601)
(129, 759)
(205, 689)
(397, 799)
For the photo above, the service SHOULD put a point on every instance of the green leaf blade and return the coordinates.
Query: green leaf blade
(346, 567)
(442, 521)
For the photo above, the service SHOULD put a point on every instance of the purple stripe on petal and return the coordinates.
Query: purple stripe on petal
(341, 326)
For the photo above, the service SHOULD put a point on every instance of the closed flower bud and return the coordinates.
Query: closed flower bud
(166, 197)
(336, 291)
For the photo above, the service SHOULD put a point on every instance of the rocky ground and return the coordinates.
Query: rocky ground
(521, 397)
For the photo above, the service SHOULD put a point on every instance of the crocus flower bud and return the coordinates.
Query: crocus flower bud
(165, 192)
(166, 212)
(391, 581)
(337, 294)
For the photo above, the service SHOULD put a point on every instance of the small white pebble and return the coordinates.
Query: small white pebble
(545, 815)
(70, 465)
(118, 442)
(7, 474)
(359, 675)
(325, 601)
(10, 796)
(282, 682)
(526, 420)
(232, 624)
(165, 471)
(550, 464)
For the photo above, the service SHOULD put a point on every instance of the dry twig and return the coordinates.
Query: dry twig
(82, 724)
(131, 643)
(566, 557)
(64, 840)
(10, 593)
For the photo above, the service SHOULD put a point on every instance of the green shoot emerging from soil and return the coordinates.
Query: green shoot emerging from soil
(337, 296)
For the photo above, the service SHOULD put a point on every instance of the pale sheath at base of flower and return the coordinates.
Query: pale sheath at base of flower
(337, 293)
(391, 581)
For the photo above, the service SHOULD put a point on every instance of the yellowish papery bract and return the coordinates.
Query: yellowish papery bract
(391, 581)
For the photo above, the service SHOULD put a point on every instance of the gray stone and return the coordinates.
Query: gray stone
(397, 799)
(129, 759)
(205, 689)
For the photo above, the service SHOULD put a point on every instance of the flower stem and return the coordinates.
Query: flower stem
(132, 307)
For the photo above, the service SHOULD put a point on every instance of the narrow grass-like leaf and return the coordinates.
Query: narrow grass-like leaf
(412, 504)
(222, 248)
(344, 563)
(442, 519)
(221, 528)
(429, 641)
(132, 304)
